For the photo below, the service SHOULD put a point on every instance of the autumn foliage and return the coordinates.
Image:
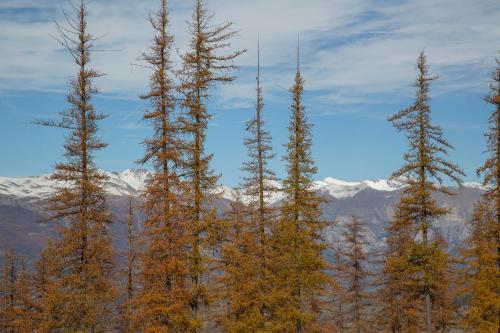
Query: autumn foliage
(300, 278)
(482, 251)
(80, 290)
(260, 262)
(425, 164)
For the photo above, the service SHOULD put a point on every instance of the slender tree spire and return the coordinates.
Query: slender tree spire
(84, 288)
(298, 53)
(163, 303)
(300, 267)
(203, 68)
(258, 61)
(258, 183)
(247, 254)
(425, 163)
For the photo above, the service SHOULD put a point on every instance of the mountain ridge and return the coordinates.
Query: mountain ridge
(131, 181)
(373, 201)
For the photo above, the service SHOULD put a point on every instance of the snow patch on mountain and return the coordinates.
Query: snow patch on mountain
(341, 189)
(127, 182)
(475, 185)
(132, 181)
(232, 193)
(20, 187)
(136, 179)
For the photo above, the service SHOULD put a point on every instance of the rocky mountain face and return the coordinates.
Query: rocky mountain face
(22, 229)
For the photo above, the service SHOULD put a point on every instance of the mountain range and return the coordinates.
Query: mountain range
(373, 201)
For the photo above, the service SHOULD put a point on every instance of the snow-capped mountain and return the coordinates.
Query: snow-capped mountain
(132, 181)
(342, 189)
(127, 182)
(371, 200)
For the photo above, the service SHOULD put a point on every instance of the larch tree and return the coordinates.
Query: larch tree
(130, 255)
(259, 186)
(396, 301)
(355, 278)
(259, 181)
(490, 170)
(163, 302)
(239, 296)
(84, 286)
(46, 290)
(25, 311)
(338, 308)
(407, 267)
(483, 263)
(18, 313)
(444, 274)
(7, 313)
(203, 67)
(480, 276)
(43, 284)
(247, 261)
(425, 163)
(300, 279)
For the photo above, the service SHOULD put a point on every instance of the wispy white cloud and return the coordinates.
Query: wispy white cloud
(459, 38)
(350, 48)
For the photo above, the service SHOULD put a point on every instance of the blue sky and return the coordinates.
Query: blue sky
(358, 59)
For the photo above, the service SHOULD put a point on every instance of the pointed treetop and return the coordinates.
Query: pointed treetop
(258, 57)
(298, 53)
